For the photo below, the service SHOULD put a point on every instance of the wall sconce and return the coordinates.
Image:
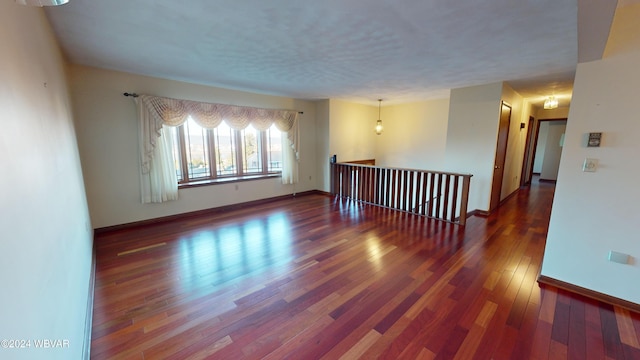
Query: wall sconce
(379, 122)
(551, 103)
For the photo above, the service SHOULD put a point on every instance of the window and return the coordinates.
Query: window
(207, 154)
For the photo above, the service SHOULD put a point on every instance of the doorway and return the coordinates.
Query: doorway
(544, 147)
(501, 155)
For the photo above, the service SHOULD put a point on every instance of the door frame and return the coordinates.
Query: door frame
(496, 182)
(535, 149)
(529, 153)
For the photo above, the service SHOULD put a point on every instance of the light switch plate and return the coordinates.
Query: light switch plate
(590, 165)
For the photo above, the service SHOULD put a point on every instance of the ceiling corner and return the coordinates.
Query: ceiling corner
(594, 22)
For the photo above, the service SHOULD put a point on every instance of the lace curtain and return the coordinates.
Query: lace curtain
(158, 179)
(162, 111)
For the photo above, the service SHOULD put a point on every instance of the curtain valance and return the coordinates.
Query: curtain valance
(174, 112)
(158, 178)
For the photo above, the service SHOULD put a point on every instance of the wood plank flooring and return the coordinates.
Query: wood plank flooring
(315, 277)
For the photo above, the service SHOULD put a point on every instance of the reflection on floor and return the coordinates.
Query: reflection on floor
(313, 276)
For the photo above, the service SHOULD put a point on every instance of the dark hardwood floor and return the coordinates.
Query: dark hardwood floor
(315, 277)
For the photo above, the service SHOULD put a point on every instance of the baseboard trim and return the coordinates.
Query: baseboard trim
(88, 324)
(320, 192)
(547, 181)
(589, 293)
(514, 193)
(485, 213)
(478, 212)
(196, 213)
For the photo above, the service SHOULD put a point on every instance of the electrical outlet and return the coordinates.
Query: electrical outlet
(618, 257)
(590, 165)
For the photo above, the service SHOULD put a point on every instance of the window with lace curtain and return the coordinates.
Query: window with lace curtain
(224, 153)
(191, 143)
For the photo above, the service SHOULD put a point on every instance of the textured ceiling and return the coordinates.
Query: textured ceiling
(357, 50)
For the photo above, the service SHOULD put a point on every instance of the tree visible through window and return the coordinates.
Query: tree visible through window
(205, 154)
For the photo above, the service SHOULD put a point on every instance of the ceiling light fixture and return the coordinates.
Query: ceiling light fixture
(379, 122)
(42, 2)
(551, 103)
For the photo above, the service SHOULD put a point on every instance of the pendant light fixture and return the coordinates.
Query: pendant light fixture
(379, 122)
(551, 103)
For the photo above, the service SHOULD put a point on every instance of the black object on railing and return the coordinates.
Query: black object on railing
(435, 194)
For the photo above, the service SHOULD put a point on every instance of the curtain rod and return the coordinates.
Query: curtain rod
(136, 95)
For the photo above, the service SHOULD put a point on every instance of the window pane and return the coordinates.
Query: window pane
(274, 149)
(225, 150)
(251, 150)
(197, 149)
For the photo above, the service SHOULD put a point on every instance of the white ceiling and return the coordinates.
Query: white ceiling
(357, 50)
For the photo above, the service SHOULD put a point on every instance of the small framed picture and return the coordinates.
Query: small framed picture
(594, 139)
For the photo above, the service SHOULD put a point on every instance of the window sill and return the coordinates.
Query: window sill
(227, 180)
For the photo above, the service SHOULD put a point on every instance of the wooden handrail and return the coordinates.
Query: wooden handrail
(435, 194)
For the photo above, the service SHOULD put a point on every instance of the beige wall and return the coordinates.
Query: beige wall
(414, 136)
(45, 232)
(457, 134)
(516, 142)
(322, 141)
(474, 114)
(594, 213)
(557, 113)
(351, 132)
(107, 138)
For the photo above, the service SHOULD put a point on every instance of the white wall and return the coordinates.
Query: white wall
(597, 212)
(46, 238)
(474, 114)
(552, 150)
(107, 138)
(543, 133)
(414, 136)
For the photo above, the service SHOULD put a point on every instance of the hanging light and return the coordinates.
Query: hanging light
(551, 103)
(379, 122)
